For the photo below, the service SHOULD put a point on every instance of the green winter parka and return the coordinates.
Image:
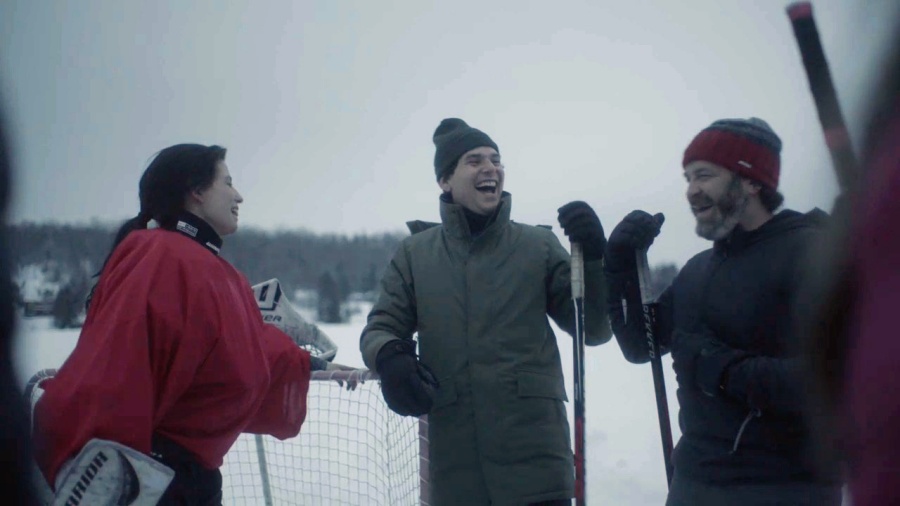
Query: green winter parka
(498, 429)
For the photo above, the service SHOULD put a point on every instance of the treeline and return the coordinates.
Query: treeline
(300, 259)
(71, 247)
(330, 265)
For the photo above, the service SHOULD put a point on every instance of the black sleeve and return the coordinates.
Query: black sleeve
(768, 384)
(626, 314)
(317, 364)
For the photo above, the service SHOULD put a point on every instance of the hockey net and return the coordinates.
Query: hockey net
(352, 450)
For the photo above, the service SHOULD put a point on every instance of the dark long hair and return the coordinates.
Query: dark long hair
(173, 174)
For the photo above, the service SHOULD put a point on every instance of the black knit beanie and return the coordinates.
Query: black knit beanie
(453, 138)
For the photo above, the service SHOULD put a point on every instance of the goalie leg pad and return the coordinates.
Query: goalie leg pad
(106, 473)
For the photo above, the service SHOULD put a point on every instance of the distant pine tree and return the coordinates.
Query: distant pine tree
(329, 306)
(369, 281)
(69, 304)
(343, 282)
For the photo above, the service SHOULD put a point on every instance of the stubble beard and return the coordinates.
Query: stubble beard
(729, 210)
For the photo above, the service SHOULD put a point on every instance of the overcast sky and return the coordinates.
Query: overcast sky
(328, 107)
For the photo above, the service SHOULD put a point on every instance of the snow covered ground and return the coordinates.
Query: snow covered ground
(624, 453)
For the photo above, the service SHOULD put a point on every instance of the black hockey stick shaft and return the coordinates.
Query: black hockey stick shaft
(577, 268)
(836, 137)
(648, 306)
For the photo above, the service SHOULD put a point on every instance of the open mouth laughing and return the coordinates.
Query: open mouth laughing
(701, 210)
(488, 186)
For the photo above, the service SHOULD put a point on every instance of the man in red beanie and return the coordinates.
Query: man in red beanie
(728, 323)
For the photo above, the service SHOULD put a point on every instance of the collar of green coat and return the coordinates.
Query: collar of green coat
(416, 226)
(455, 223)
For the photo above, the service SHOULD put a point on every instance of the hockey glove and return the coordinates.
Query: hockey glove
(636, 231)
(408, 386)
(582, 225)
(702, 361)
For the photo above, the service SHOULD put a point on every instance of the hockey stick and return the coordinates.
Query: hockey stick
(577, 266)
(659, 383)
(836, 137)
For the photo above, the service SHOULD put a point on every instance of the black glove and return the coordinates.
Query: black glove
(701, 360)
(317, 364)
(408, 385)
(635, 232)
(582, 225)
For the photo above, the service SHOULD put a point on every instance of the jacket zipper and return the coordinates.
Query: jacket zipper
(754, 413)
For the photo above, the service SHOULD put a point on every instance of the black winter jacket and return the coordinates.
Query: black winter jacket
(743, 290)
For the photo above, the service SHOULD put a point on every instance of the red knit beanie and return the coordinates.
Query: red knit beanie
(748, 147)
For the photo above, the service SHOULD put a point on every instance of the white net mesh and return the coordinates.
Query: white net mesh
(352, 450)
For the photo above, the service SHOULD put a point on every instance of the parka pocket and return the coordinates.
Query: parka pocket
(446, 394)
(538, 384)
(534, 423)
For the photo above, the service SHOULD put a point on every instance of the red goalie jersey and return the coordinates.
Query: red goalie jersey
(173, 345)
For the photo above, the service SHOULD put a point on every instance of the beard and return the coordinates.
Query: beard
(726, 211)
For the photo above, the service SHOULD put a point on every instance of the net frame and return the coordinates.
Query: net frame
(355, 437)
(248, 476)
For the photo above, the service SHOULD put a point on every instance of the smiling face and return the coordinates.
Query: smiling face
(477, 181)
(717, 196)
(217, 204)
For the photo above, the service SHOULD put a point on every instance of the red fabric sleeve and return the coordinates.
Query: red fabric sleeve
(283, 409)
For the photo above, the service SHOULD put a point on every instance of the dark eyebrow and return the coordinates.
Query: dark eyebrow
(478, 157)
(698, 172)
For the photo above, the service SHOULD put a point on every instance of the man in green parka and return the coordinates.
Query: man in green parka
(478, 288)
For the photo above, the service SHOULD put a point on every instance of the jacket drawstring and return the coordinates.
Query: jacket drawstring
(754, 413)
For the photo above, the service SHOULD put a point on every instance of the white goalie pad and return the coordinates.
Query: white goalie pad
(103, 473)
(277, 310)
(106, 473)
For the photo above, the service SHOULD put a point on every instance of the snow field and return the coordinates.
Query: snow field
(359, 446)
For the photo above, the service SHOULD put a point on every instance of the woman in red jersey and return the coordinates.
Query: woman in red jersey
(174, 359)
